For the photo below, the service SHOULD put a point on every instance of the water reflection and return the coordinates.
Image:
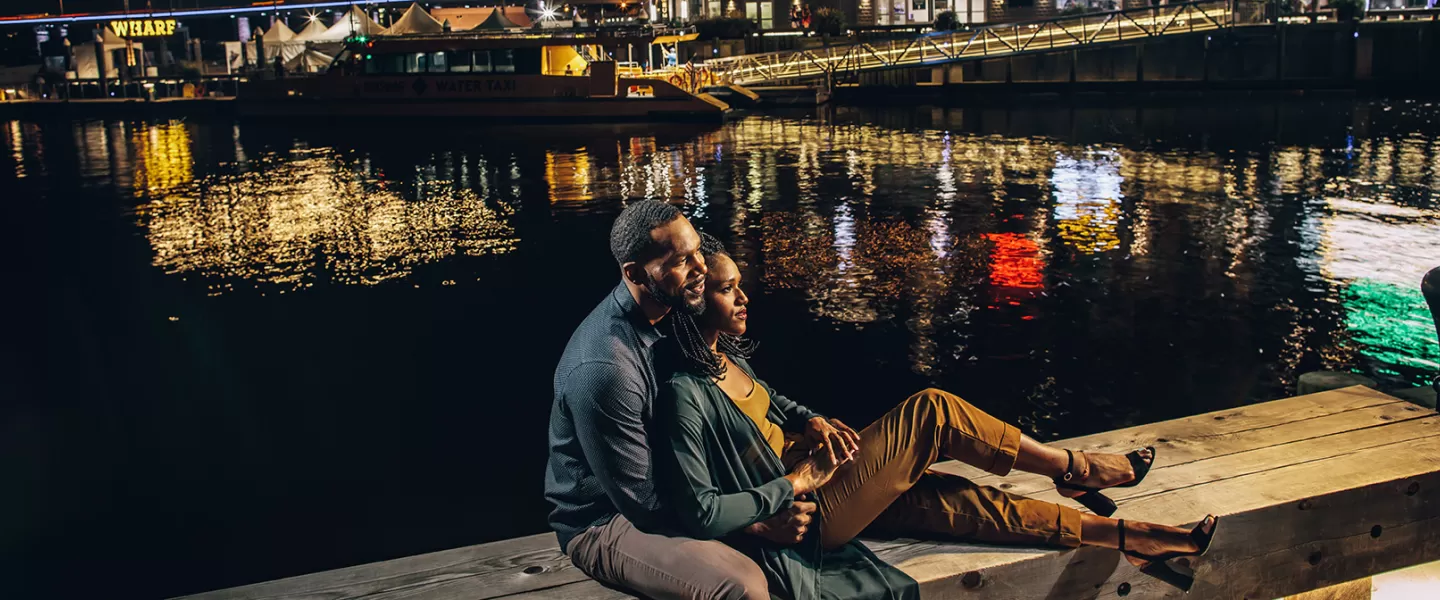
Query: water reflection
(941, 225)
(869, 224)
(1386, 315)
(165, 161)
(13, 139)
(310, 215)
(1087, 200)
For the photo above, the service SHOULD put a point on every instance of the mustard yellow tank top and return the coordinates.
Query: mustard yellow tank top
(755, 406)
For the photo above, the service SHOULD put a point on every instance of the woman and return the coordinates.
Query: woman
(734, 476)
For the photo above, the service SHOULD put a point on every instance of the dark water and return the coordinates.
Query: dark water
(242, 351)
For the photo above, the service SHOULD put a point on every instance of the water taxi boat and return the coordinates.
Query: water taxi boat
(526, 74)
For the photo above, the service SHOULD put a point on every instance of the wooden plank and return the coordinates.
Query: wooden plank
(1345, 452)
(499, 568)
(1279, 519)
(1350, 590)
(1211, 434)
(477, 572)
(586, 590)
(1228, 465)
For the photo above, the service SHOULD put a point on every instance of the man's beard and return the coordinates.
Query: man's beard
(676, 302)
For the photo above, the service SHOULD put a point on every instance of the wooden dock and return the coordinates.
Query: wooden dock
(1313, 491)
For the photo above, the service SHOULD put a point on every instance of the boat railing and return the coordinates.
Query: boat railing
(577, 33)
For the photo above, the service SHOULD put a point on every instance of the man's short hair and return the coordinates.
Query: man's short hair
(630, 239)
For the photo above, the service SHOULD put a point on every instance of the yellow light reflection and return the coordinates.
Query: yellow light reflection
(309, 215)
(1087, 200)
(17, 148)
(165, 162)
(568, 176)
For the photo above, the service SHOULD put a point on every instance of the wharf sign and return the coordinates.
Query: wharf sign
(144, 27)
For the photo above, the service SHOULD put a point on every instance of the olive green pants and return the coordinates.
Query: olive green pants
(888, 489)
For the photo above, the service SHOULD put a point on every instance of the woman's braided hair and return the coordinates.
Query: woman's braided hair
(695, 355)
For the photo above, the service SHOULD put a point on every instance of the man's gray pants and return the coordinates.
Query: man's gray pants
(661, 567)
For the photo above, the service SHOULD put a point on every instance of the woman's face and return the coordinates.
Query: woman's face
(724, 301)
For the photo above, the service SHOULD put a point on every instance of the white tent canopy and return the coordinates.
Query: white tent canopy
(87, 67)
(275, 43)
(279, 33)
(311, 32)
(415, 20)
(308, 61)
(352, 23)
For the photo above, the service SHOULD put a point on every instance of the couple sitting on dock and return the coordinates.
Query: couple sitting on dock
(672, 475)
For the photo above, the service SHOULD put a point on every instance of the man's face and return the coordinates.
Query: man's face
(676, 278)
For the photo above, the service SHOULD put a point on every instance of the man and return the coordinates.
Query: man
(607, 514)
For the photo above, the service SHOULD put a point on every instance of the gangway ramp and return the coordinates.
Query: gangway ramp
(940, 47)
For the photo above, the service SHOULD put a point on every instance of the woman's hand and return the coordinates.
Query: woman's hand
(788, 526)
(832, 437)
(813, 472)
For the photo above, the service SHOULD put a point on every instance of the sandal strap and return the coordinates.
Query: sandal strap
(1122, 534)
(1071, 473)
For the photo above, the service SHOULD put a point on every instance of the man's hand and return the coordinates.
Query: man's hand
(834, 437)
(786, 527)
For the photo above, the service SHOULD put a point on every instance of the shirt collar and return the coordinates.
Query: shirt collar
(649, 334)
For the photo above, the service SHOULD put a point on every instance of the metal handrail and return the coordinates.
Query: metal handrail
(992, 40)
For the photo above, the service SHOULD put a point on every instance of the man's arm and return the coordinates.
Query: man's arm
(608, 409)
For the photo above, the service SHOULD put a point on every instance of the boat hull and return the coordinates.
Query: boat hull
(547, 98)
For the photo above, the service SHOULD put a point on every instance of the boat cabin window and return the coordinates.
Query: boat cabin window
(504, 60)
(415, 62)
(454, 61)
(466, 61)
(459, 61)
(482, 61)
(385, 64)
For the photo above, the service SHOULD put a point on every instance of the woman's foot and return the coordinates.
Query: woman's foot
(1153, 540)
(1099, 471)
(1150, 547)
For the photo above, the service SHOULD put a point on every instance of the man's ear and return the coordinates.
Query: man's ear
(633, 272)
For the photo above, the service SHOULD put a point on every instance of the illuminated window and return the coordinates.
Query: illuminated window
(437, 62)
(762, 13)
(504, 61)
(416, 63)
(482, 61)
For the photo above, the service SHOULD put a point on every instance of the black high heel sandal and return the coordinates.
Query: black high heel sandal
(1091, 498)
(1155, 566)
